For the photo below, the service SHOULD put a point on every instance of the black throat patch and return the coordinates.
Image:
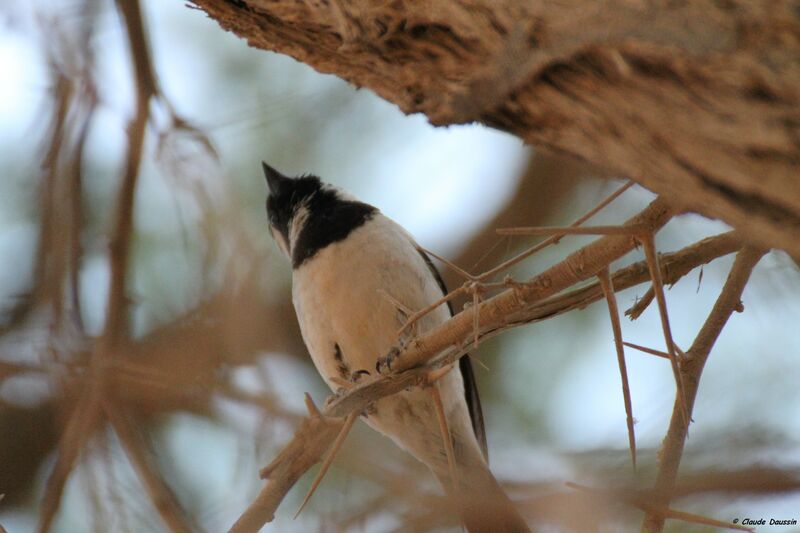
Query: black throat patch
(329, 218)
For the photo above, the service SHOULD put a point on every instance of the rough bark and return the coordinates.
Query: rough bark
(698, 100)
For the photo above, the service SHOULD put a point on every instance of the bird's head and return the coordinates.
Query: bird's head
(307, 215)
(288, 205)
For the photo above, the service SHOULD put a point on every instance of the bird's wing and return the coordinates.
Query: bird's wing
(465, 365)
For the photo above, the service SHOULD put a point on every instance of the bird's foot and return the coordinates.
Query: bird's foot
(384, 364)
(357, 375)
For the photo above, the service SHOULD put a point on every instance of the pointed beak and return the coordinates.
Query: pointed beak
(274, 178)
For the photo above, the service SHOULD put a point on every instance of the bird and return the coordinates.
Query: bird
(357, 276)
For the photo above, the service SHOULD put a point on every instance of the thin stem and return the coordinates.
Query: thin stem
(645, 349)
(661, 300)
(160, 495)
(675, 440)
(608, 289)
(555, 238)
(447, 440)
(337, 444)
(570, 230)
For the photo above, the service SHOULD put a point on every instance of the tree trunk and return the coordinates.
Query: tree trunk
(697, 100)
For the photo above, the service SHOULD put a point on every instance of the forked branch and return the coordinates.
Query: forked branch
(691, 370)
(446, 344)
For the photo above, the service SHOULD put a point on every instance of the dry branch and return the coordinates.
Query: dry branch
(494, 312)
(88, 413)
(81, 425)
(554, 239)
(116, 326)
(451, 339)
(541, 192)
(165, 502)
(348, 424)
(604, 277)
(691, 370)
(309, 443)
(658, 288)
(643, 504)
(697, 100)
(682, 261)
(316, 433)
(645, 349)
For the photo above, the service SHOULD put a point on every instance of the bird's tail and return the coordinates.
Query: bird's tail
(482, 503)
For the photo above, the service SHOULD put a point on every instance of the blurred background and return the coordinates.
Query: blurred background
(215, 371)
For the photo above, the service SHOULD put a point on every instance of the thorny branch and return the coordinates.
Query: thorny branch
(521, 303)
(470, 284)
(296, 458)
(493, 313)
(729, 301)
(604, 277)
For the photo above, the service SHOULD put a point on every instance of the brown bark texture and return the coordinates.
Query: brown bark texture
(697, 100)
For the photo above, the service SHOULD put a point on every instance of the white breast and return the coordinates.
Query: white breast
(346, 295)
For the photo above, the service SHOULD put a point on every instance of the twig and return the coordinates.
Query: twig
(722, 244)
(76, 208)
(78, 431)
(608, 290)
(348, 424)
(666, 512)
(159, 493)
(658, 287)
(691, 518)
(692, 369)
(571, 230)
(450, 339)
(578, 266)
(119, 243)
(555, 238)
(460, 271)
(311, 439)
(414, 317)
(43, 275)
(447, 441)
(476, 300)
(645, 349)
(312, 408)
(684, 260)
(514, 260)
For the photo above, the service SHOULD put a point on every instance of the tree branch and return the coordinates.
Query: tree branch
(116, 326)
(160, 494)
(673, 265)
(691, 370)
(412, 366)
(695, 100)
(311, 440)
(494, 312)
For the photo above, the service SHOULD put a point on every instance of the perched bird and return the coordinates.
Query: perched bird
(356, 276)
